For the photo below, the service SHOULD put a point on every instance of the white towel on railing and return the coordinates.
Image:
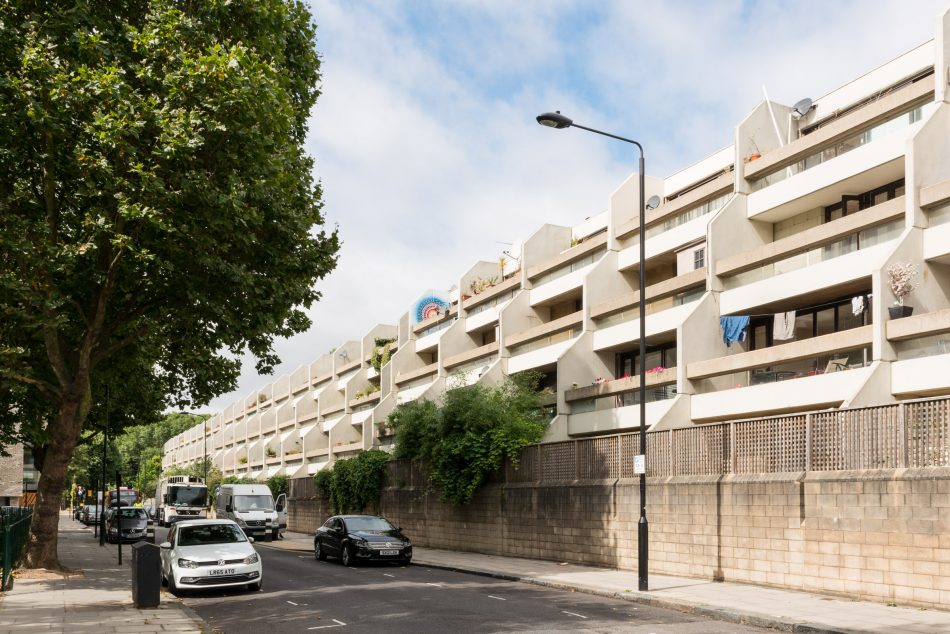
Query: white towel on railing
(783, 326)
(857, 305)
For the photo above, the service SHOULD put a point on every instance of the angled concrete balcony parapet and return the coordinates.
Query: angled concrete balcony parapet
(716, 187)
(813, 238)
(492, 291)
(922, 325)
(936, 194)
(620, 386)
(867, 116)
(551, 327)
(660, 290)
(405, 377)
(471, 355)
(435, 320)
(574, 253)
(784, 353)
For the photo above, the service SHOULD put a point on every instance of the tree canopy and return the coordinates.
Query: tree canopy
(158, 214)
(467, 437)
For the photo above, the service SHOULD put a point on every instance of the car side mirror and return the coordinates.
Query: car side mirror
(250, 539)
(165, 545)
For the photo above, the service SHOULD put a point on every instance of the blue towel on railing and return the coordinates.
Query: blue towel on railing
(733, 328)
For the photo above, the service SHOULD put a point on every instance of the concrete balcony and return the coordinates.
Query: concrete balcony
(865, 117)
(431, 341)
(483, 318)
(774, 392)
(471, 355)
(492, 292)
(550, 291)
(405, 377)
(818, 273)
(861, 169)
(922, 344)
(666, 242)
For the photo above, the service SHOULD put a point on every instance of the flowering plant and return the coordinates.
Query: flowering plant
(658, 368)
(900, 276)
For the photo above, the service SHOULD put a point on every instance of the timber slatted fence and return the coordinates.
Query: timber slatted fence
(901, 435)
(912, 434)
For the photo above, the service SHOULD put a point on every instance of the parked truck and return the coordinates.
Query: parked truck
(180, 497)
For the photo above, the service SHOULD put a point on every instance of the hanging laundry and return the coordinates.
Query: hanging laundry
(733, 328)
(783, 326)
(857, 305)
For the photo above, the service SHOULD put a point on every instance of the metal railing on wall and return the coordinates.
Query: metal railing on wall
(14, 529)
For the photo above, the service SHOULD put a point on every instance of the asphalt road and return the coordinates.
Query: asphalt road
(301, 595)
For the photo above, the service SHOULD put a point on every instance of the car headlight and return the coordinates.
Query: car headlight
(361, 543)
(252, 559)
(187, 563)
(240, 522)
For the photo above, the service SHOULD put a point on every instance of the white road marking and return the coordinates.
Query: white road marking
(323, 627)
(437, 585)
(386, 575)
(494, 597)
(291, 603)
(574, 614)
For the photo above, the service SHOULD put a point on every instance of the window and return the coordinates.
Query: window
(699, 258)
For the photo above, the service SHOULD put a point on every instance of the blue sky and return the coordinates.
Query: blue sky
(430, 158)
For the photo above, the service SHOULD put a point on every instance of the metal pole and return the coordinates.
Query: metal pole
(95, 522)
(204, 442)
(118, 512)
(643, 550)
(105, 441)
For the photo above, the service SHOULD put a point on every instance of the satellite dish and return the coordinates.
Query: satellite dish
(802, 107)
(654, 202)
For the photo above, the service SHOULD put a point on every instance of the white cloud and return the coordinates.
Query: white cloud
(427, 148)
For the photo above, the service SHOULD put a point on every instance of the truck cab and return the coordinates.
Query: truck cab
(181, 498)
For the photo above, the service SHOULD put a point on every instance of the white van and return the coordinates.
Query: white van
(251, 506)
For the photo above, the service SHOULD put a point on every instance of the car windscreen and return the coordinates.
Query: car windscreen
(188, 496)
(244, 503)
(132, 513)
(369, 524)
(210, 534)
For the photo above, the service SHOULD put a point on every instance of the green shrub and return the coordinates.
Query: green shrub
(352, 484)
(467, 438)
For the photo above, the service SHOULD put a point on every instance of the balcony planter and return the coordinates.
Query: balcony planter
(896, 312)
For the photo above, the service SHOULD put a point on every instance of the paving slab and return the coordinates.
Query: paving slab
(97, 598)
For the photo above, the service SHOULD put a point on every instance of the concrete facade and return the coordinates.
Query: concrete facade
(881, 535)
(11, 475)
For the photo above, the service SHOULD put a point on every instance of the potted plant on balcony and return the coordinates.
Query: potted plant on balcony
(900, 277)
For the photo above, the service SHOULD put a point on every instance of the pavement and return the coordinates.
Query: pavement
(784, 610)
(96, 597)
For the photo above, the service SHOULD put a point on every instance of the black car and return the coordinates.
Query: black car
(134, 524)
(355, 538)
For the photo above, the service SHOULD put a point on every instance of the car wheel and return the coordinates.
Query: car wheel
(347, 557)
(275, 534)
(172, 587)
(318, 552)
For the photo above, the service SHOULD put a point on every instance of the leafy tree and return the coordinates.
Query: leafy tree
(467, 438)
(158, 214)
(278, 484)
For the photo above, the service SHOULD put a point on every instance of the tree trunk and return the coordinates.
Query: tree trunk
(41, 548)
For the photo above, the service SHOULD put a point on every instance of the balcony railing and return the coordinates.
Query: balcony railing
(868, 116)
(900, 122)
(470, 355)
(857, 241)
(575, 265)
(546, 330)
(588, 251)
(716, 188)
(662, 295)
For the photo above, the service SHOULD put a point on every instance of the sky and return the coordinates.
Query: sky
(430, 158)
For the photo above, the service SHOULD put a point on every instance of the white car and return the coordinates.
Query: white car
(209, 554)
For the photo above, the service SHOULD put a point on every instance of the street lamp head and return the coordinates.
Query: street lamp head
(554, 120)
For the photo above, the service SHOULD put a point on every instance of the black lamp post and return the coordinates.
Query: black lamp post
(558, 121)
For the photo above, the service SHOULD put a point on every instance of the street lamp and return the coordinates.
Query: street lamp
(558, 121)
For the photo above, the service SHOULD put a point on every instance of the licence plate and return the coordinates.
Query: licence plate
(388, 552)
(221, 571)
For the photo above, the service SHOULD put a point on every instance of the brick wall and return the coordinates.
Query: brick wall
(880, 535)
